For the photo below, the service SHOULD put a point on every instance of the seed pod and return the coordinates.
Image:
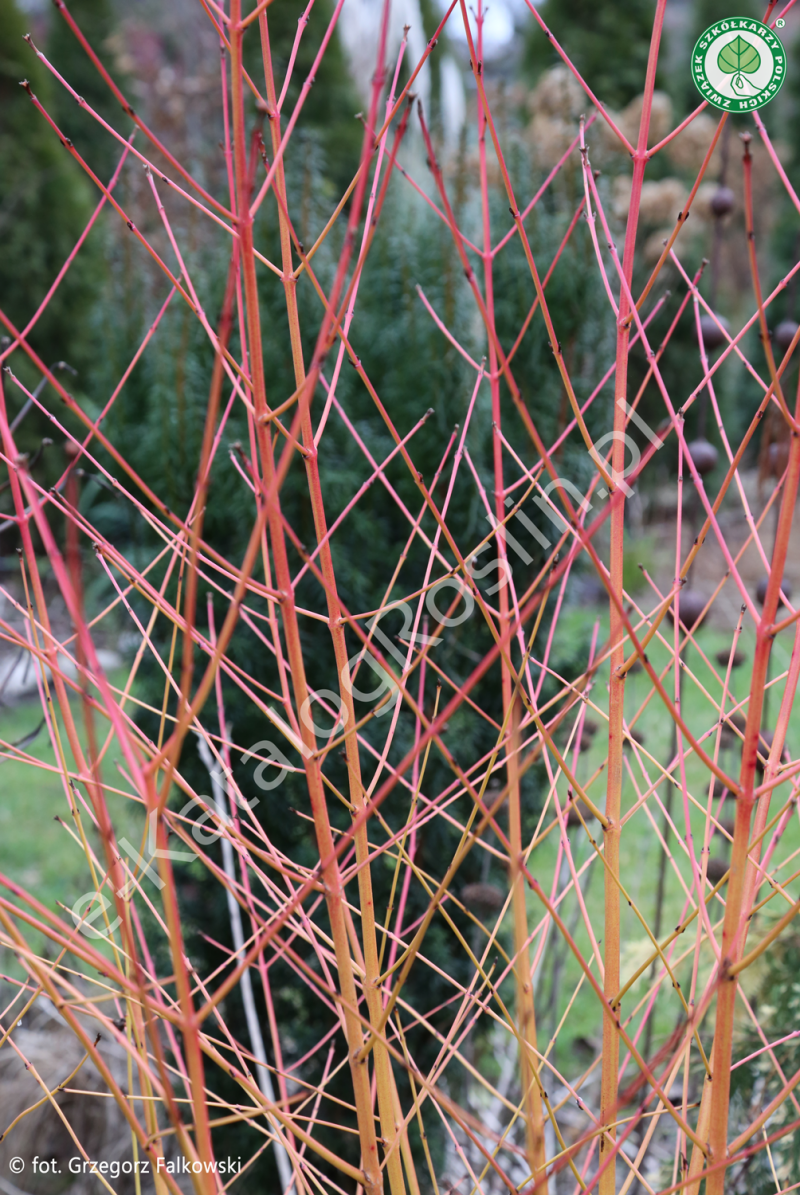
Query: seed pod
(704, 456)
(716, 869)
(723, 656)
(588, 732)
(765, 741)
(761, 591)
(692, 605)
(784, 334)
(778, 458)
(728, 736)
(722, 201)
(719, 791)
(711, 331)
(483, 899)
(637, 737)
(573, 816)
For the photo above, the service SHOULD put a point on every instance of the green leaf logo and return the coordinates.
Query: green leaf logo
(739, 58)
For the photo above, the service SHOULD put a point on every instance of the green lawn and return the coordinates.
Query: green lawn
(640, 850)
(39, 853)
(36, 851)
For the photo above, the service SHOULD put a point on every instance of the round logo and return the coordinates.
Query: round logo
(738, 64)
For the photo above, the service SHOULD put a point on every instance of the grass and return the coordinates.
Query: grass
(640, 849)
(36, 849)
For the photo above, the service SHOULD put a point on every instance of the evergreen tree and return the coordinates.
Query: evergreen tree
(608, 43)
(330, 108)
(755, 1082)
(706, 12)
(95, 19)
(413, 368)
(44, 204)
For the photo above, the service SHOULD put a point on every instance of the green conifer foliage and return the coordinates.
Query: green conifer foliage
(44, 204)
(413, 369)
(67, 55)
(706, 12)
(330, 108)
(608, 43)
(756, 1082)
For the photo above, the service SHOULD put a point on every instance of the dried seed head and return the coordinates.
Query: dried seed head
(713, 334)
(722, 201)
(724, 655)
(704, 456)
(761, 591)
(765, 741)
(784, 333)
(716, 869)
(778, 458)
(483, 899)
(692, 605)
